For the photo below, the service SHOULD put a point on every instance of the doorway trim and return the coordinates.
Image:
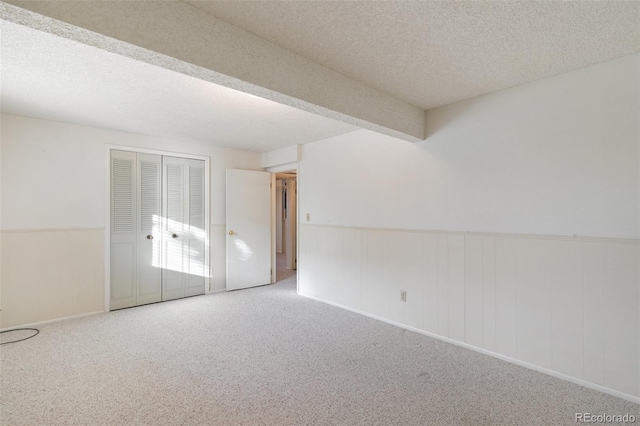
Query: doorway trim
(107, 204)
(289, 167)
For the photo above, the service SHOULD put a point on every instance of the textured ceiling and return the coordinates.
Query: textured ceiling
(49, 77)
(431, 53)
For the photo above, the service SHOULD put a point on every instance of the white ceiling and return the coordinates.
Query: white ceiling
(431, 53)
(49, 77)
(424, 53)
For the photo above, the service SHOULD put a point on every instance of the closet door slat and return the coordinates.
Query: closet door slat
(149, 225)
(123, 268)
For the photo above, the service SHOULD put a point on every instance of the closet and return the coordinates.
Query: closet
(158, 237)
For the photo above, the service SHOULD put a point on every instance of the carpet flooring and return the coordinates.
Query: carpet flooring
(282, 273)
(266, 356)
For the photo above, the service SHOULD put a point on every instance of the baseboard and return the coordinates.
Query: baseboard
(34, 324)
(590, 385)
(217, 290)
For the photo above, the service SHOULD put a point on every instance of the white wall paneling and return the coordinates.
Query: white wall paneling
(37, 288)
(406, 254)
(443, 284)
(455, 286)
(534, 302)
(621, 320)
(430, 299)
(489, 293)
(506, 296)
(377, 292)
(594, 311)
(350, 252)
(473, 291)
(568, 305)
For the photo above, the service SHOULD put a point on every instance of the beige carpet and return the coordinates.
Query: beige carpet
(268, 356)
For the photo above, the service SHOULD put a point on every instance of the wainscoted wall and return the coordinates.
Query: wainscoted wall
(564, 304)
(53, 213)
(50, 274)
(59, 273)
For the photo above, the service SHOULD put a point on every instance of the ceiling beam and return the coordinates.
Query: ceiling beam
(177, 36)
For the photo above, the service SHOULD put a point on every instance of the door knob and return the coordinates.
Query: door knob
(174, 235)
(149, 237)
(231, 233)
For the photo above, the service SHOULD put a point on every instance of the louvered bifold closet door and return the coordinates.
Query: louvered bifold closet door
(183, 254)
(195, 236)
(123, 233)
(173, 209)
(158, 229)
(149, 229)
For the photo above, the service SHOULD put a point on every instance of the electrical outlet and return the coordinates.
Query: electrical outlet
(403, 296)
(308, 217)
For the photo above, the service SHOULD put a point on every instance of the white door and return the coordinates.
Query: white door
(183, 251)
(248, 229)
(194, 229)
(173, 195)
(123, 265)
(149, 229)
(158, 238)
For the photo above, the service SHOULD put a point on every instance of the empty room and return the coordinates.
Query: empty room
(319, 212)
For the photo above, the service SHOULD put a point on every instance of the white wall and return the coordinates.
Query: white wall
(46, 162)
(491, 202)
(288, 155)
(53, 181)
(563, 304)
(557, 157)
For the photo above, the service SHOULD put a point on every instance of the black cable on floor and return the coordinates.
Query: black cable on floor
(20, 329)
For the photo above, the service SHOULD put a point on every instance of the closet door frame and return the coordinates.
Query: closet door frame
(107, 210)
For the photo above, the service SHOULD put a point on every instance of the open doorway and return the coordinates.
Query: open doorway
(286, 225)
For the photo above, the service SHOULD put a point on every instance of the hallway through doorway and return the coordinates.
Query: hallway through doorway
(282, 273)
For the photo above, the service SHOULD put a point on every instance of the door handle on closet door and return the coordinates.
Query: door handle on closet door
(149, 237)
(174, 235)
